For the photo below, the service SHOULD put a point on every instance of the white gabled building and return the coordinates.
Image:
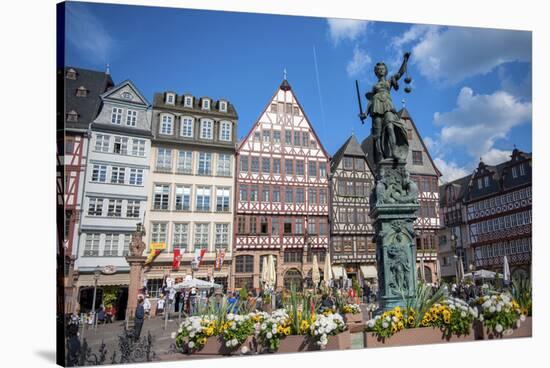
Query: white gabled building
(115, 195)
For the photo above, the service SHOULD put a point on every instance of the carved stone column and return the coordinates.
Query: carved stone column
(136, 261)
(394, 209)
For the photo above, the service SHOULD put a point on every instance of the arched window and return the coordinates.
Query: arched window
(293, 277)
(427, 275)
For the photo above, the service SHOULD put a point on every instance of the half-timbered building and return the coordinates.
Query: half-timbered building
(114, 193)
(79, 107)
(352, 235)
(499, 214)
(190, 190)
(282, 195)
(426, 175)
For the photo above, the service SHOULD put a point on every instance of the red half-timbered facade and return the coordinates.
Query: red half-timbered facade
(281, 195)
(499, 214)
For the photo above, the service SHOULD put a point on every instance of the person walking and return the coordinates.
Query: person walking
(147, 307)
(160, 306)
(139, 317)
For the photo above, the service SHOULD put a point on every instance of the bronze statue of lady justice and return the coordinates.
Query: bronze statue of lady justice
(388, 131)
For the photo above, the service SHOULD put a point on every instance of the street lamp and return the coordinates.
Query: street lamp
(97, 273)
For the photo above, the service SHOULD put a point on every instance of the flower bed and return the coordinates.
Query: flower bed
(525, 329)
(414, 336)
(501, 316)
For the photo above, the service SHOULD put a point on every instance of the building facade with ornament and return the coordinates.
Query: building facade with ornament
(499, 215)
(76, 111)
(282, 199)
(114, 194)
(190, 190)
(353, 249)
(425, 174)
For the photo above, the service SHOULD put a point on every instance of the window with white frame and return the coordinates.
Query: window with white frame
(203, 199)
(180, 238)
(136, 177)
(514, 172)
(522, 169)
(223, 106)
(102, 142)
(110, 248)
(223, 165)
(188, 101)
(91, 246)
(322, 170)
(132, 208)
(95, 207)
(117, 175)
(222, 199)
(138, 147)
(126, 246)
(99, 173)
(185, 162)
(225, 131)
(160, 196)
(116, 115)
(170, 98)
(204, 163)
(201, 236)
(205, 104)
(164, 159)
(131, 117)
(158, 232)
(121, 146)
(206, 129)
(115, 208)
(222, 236)
(486, 179)
(187, 127)
(183, 198)
(166, 124)
(479, 183)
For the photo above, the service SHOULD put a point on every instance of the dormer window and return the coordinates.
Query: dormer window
(225, 131)
(170, 98)
(116, 115)
(166, 124)
(479, 183)
(514, 172)
(205, 104)
(522, 169)
(223, 106)
(486, 180)
(71, 74)
(206, 129)
(72, 116)
(187, 126)
(188, 101)
(81, 91)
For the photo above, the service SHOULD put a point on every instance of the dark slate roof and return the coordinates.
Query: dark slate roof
(96, 83)
(350, 148)
(158, 102)
(461, 187)
(284, 85)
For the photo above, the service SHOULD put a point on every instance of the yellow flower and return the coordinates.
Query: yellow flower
(287, 331)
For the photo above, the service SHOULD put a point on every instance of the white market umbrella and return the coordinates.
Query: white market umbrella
(271, 275)
(460, 270)
(265, 270)
(315, 276)
(327, 272)
(506, 270)
(196, 283)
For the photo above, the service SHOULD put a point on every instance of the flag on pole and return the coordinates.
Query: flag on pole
(177, 259)
(199, 254)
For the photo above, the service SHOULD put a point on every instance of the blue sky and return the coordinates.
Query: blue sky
(471, 87)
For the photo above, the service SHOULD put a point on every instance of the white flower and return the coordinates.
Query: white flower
(522, 318)
(244, 349)
(228, 343)
(462, 314)
(191, 344)
(230, 317)
(385, 324)
(492, 309)
(234, 342)
(173, 335)
(388, 318)
(192, 334)
(498, 328)
(264, 326)
(499, 307)
(394, 319)
(269, 335)
(508, 332)
(481, 317)
(370, 323)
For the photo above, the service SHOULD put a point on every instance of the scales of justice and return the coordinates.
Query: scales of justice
(394, 200)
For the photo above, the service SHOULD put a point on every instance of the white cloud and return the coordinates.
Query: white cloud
(358, 63)
(478, 121)
(86, 32)
(453, 54)
(414, 33)
(342, 29)
(450, 170)
(495, 156)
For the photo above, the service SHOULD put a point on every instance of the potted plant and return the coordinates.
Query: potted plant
(502, 317)
(352, 315)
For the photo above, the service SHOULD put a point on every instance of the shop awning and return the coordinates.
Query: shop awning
(117, 279)
(369, 272)
(337, 271)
